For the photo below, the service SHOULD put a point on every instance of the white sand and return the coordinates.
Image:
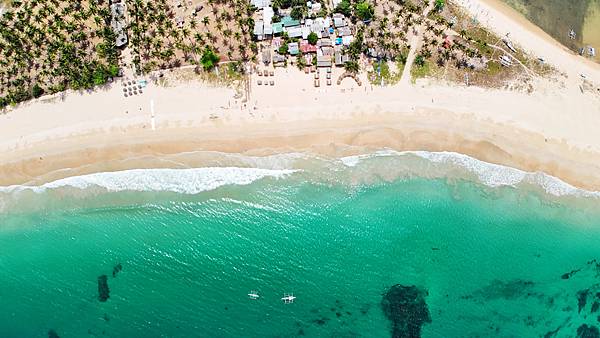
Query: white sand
(554, 130)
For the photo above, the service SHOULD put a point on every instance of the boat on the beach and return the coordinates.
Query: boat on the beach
(505, 61)
(509, 44)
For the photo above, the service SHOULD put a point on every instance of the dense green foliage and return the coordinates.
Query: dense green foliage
(209, 59)
(439, 5)
(352, 66)
(159, 41)
(47, 46)
(297, 13)
(364, 10)
(312, 38)
(344, 7)
(283, 49)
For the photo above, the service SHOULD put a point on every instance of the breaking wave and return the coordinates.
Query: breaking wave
(184, 181)
(135, 186)
(489, 174)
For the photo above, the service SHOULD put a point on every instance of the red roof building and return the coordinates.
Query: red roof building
(306, 47)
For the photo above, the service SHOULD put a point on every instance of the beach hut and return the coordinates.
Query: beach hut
(276, 42)
(325, 42)
(306, 47)
(266, 56)
(288, 22)
(344, 31)
(277, 28)
(258, 29)
(294, 32)
(339, 20)
(323, 61)
(260, 4)
(293, 48)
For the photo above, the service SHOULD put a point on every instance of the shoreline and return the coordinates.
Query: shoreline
(552, 130)
(476, 127)
(503, 19)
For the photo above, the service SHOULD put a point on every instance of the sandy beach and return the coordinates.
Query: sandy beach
(553, 130)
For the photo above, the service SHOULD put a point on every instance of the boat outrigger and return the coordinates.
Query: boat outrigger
(288, 298)
(509, 44)
(253, 295)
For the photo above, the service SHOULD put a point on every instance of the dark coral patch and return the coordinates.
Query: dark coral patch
(569, 274)
(585, 331)
(406, 308)
(52, 334)
(321, 321)
(116, 269)
(582, 298)
(103, 291)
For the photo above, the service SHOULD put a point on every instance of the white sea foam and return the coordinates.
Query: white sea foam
(492, 175)
(193, 181)
(185, 181)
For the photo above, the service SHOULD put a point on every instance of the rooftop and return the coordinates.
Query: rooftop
(293, 48)
(289, 22)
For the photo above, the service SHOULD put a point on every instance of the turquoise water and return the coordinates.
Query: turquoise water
(491, 260)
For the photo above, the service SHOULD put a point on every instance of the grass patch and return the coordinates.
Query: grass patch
(418, 72)
(385, 75)
(494, 68)
(400, 65)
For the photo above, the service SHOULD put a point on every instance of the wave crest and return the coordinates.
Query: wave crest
(489, 174)
(184, 181)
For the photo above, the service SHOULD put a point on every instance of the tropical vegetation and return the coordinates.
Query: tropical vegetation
(47, 46)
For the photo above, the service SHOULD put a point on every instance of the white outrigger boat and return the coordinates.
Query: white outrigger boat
(253, 295)
(288, 298)
(509, 44)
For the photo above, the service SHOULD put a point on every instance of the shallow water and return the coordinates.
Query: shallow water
(558, 17)
(491, 257)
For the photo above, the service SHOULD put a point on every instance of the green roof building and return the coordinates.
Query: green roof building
(289, 22)
(277, 28)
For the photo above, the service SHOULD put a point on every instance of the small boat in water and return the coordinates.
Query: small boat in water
(591, 51)
(572, 34)
(253, 295)
(288, 298)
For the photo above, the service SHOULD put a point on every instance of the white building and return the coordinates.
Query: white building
(261, 3)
